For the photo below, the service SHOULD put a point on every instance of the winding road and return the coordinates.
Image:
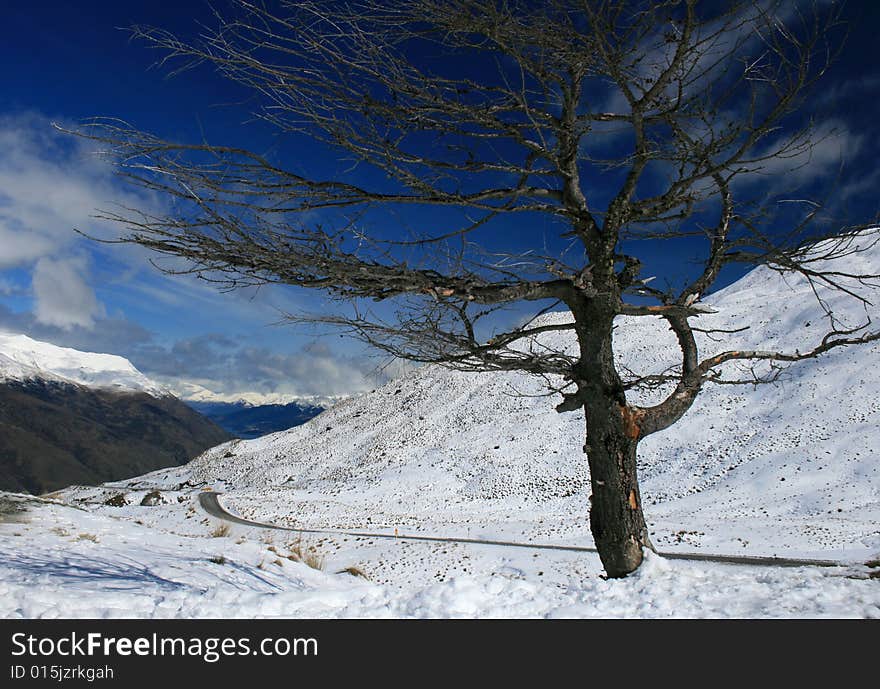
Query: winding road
(210, 503)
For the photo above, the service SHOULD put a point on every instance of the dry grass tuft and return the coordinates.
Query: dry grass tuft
(297, 551)
(222, 531)
(313, 559)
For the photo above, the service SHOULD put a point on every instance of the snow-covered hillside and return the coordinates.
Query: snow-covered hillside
(59, 561)
(22, 358)
(70, 417)
(789, 469)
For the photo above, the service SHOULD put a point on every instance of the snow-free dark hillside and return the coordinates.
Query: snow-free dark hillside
(70, 417)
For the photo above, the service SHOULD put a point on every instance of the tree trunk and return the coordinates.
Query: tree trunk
(616, 518)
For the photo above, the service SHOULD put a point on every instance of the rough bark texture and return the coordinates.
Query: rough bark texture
(616, 518)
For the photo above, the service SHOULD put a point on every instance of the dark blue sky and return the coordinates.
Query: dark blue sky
(66, 61)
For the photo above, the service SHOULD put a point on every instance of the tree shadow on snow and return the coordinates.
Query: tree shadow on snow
(113, 574)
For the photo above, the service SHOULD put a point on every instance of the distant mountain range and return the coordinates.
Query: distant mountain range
(191, 391)
(70, 417)
(248, 421)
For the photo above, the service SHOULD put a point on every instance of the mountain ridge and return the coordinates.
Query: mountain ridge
(249, 421)
(70, 417)
(23, 358)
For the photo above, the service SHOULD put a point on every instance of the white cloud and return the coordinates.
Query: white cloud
(50, 184)
(829, 145)
(17, 246)
(63, 296)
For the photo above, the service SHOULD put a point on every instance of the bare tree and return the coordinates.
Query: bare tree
(621, 125)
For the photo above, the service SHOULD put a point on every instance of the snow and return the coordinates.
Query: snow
(483, 454)
(192, 391)
(58, 561)
(788, 469)
(22, 358)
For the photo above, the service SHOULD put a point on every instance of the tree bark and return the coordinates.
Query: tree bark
(616, 518)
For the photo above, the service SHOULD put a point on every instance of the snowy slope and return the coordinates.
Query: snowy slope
(22, 358)
(793, 464)
(57, 561)
(788, 469)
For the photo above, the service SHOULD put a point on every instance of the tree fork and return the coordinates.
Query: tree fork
(241, 220)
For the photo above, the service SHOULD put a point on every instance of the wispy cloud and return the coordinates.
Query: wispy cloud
(49, 185)
(227, 367)
(62, 296)
(84, 294)
(825, 149)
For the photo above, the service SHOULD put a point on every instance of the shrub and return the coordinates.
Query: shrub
(221, 531)
(298, 552)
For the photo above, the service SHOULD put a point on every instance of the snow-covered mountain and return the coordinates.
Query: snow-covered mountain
(79, 417)
(194, 392)
(22, 358)
(444, 450)
(788, 469)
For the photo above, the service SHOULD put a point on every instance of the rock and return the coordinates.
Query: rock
(117, 500)
(152, 499)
